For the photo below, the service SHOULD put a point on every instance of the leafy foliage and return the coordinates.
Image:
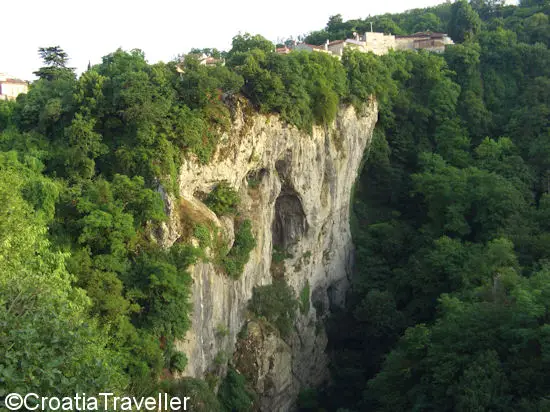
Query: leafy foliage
(465, 23)
(233, 394)
(448, 222)
(56, 60)
(501, 352)
(233, 263)
(223, 199)
(83, 159)
(277, 303)
(41, 352)
(304, 88)
(201, 397)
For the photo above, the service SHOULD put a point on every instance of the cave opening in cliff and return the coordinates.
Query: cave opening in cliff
(289, 223)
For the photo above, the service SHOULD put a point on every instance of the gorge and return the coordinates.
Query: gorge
(301, 205)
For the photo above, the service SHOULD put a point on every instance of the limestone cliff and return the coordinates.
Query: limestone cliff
(296, 190)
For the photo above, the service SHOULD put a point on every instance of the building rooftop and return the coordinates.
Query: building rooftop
(6, 78)
(282, 50)
(13, 81)
(381, 43)
(427, 34)
(313, 46)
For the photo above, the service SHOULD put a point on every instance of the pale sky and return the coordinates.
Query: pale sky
(88, 30)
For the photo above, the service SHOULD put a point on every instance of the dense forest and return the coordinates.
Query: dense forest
(450, 301)
(450, 306)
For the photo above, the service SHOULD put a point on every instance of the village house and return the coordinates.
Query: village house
(283, 50)
(312, 48)
(379, 43)
(210, 61)
(433, 42)
(337, 47)
(11, 87)
(203, 59)
(375, 42)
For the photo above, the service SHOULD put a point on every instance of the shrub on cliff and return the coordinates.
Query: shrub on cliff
(233, 394)
(201, 397)
(239, 254)
(277, 303)
(223, 199)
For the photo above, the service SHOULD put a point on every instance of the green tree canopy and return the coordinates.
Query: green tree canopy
(465, 23)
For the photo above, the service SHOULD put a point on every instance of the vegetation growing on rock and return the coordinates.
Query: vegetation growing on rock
(223, 199)
(277, 304)
(233, 263)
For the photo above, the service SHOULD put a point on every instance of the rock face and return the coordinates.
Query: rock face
(295, 188)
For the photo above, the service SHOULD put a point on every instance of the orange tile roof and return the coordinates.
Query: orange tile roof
(13, 81)
(422, 35)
